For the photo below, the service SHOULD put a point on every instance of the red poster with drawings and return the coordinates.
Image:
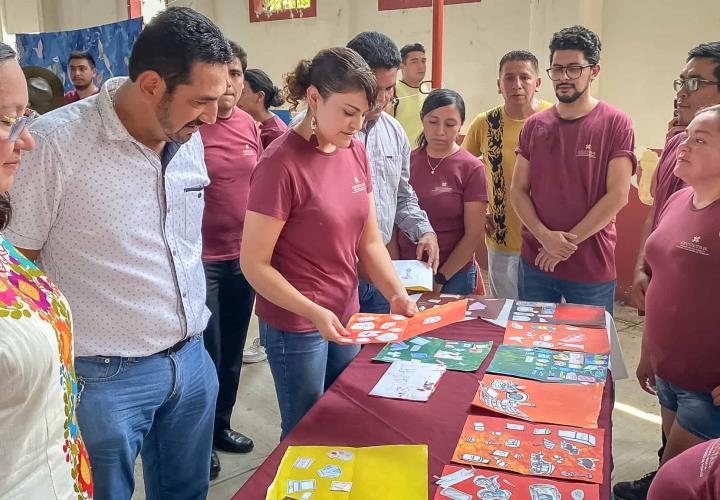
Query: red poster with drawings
(566, 404)
(559, 337)
(460, 483)
(367, 328)
(547, 450)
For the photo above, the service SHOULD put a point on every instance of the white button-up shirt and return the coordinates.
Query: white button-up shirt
(118, 229)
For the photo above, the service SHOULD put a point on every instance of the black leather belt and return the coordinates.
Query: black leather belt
(176, 347)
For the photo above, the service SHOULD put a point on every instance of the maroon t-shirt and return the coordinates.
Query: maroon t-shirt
(667, 182)
(568, 175)
(681, 324)
(694, 474)
(73, 96)
(232, 149)
(324, 200)
(458, 179)
(271, 129)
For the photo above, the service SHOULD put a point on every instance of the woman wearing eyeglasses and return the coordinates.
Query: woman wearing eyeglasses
(43, 455)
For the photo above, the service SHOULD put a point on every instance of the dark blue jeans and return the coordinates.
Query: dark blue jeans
(303, 366)
(536, 285)
(159, 406)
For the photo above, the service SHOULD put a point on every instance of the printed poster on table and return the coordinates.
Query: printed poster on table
(459, 355)
(547, 450)
(566, 404)
(478, 306)
(560, 337)
(550, 366)
(460, 483)
(367, 328)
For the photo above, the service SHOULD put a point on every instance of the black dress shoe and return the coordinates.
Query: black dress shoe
(214, 466)
(232, 442)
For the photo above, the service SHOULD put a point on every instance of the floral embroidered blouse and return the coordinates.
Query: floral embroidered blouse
(42, 454)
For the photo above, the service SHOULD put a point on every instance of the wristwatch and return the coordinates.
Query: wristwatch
(440, 279)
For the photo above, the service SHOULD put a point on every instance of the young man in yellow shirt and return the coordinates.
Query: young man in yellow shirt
(493, 135)
(408, 98)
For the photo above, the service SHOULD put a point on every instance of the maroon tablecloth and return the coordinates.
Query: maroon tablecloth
(347, 416)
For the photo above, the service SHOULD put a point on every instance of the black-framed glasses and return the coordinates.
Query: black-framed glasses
(573, 71)
(691, 84)
(16, 123)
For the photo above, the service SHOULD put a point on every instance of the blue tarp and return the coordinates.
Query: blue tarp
(109, 44)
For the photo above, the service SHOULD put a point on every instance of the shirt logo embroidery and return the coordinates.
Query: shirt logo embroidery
(587, 152)
(359, 187)
(442, 188)
(247, 151)
(694, 246)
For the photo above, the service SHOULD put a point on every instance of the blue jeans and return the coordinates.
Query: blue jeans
(303, 366)
(694, 411)
(371, 300)
(535, 285)
(160, 406)
(462, 282)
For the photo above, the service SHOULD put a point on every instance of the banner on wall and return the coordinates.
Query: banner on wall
(109, 44)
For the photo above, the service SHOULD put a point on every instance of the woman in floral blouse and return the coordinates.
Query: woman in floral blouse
(41, 452)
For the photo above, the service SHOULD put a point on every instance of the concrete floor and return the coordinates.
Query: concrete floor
(636, 428)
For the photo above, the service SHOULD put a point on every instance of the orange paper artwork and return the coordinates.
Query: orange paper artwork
(567, 404)
(560, 337)
(367, 328)
(536, 450)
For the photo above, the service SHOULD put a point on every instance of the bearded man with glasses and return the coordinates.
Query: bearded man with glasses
(572, 177)
(696, 88)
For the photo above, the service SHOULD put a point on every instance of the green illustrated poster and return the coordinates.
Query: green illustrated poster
(458, 355)
(550, 366)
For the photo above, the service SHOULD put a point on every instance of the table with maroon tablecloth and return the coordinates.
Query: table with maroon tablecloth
(347, 416)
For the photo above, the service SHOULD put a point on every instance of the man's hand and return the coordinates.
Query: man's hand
(645, 375)
(558, 244)
(403, 304)
(674, 128)
(429, 244)
(641, 281)
(546, 262)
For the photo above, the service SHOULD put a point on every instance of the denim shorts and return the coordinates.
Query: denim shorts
(694, 411)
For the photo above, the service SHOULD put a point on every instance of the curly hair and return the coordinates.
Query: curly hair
(577, 38)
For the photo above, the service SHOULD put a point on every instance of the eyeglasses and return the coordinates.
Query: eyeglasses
(573, 71)
(17, 124)
(691, 84)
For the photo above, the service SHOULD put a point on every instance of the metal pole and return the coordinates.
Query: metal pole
(437, 43)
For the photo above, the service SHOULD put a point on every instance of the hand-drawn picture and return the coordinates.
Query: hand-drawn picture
(460, 483)
(478, 306)
(550, 366)
(382, 328)
(408, 380)
(415, 275)
(560, 337)
(567, 404)
(454, 354)
(562, 314)
(530, 449)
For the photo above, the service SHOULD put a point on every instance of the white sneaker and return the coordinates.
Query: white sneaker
(255, 353)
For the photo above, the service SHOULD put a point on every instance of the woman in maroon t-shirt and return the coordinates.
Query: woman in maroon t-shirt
(257, 96)
(310, 220)
(681, 346)
(451, 188)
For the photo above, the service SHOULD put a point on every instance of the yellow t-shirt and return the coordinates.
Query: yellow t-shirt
(408, 109)
(493, 135)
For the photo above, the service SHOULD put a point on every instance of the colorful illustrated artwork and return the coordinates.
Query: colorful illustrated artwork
(344, 473)
(550, 366)
(409, 380)
(367, 328)
(532, 449)
(416, 276)
(460, 483)
(564, 314)
(459, 355)
(565, 404)
(560, 337)
(478, 306)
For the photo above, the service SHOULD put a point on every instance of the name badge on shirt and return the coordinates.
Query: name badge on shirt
(358, 187)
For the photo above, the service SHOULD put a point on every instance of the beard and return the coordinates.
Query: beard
(570, 98)
(82, 86)
(162, 113)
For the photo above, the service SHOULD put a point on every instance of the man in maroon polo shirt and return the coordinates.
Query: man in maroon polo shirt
(81, 68)
(232, 149)
(572, 177)
(696, 88)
